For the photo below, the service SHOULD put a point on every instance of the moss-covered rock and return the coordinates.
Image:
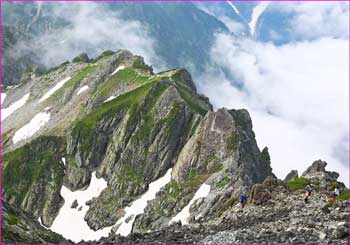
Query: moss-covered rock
(21, 227)
(33, 175)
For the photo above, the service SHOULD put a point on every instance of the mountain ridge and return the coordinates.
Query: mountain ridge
(114, 120)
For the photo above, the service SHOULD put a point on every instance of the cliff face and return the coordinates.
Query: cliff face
(130, 126)
(19, 226)
(114, 118)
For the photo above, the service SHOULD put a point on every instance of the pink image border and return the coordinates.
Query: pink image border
(1, 37)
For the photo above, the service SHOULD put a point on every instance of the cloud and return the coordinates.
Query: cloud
(313, 20)
(91, 28)
(297, 95)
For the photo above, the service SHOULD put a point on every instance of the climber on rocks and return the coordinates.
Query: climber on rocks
(308, 191)
(335, 193)
(243, 199)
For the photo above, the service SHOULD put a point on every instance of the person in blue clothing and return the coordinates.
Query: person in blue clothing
(243, 199)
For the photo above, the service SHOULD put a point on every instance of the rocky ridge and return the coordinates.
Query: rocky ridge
(131, 126)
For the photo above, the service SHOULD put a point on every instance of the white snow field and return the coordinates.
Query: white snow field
(119, 68)
(82, 89)
(184, 214)
(138, 206)
(233, 7)
(14, 106)
(257, 11)
(28, 130)
(54, 89)
(70, 222)
(39, 220)
(110, 98)
(3, 96)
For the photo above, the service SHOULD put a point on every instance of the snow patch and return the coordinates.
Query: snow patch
(140, 204)
(119, 68)
(110, 98)
(70, 222)
(3, 96)
(54, 89)
(28, 130)
(82, 89)
(233, 7)
(257, 11)
(41, 223)
(184, 214)
(13, 107)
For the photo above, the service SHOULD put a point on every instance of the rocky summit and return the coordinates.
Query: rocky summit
(105, 150)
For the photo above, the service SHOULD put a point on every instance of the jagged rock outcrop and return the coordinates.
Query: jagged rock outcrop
(222, 153)
(291, 175)
(32, 178)
(20, 227)
(83, 57)
(317, 172)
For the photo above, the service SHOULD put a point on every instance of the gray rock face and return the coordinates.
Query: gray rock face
(317, 172)
(33, 178)
(291, 175)
(21, 227)
(222, 153)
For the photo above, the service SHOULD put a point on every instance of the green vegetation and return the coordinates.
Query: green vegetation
(228, 203)
(148, 123)
(12, 219)
(222, 183)
(105, 54)
(131, 175)
(73, 82)
(265, 156)
(191, 102)
(125, 76)
(81, 58)
(216, 168)
(36, 162)
(298, 183)
(63, 65)
(194, 127)
(173, 189)
(140, 64)
(343, 196)
(232, 142)
(85, 129)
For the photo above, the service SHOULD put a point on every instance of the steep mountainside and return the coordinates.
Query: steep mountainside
(115, 118)
(14, 62)
(105, 147)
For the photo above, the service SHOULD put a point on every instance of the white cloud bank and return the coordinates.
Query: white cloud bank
(313, 20)
(297, 95)
(93, 28)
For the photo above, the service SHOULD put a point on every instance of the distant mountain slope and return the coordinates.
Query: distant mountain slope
(183, 34)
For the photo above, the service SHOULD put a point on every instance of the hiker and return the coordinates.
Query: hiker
(243, 199)
(308, 190)
(335, 193)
